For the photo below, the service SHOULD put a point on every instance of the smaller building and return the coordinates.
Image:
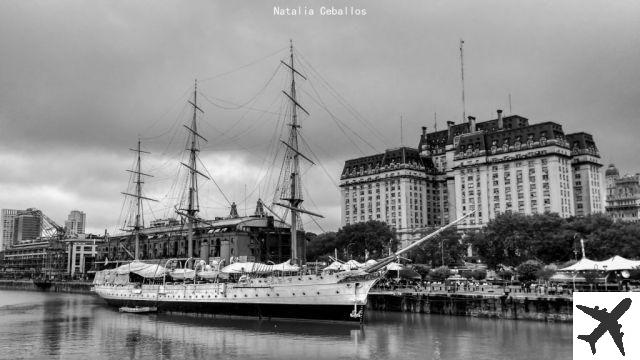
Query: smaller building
(8, 222)
(82, 252)
(76, 222)
(623, 195)
(27, 227)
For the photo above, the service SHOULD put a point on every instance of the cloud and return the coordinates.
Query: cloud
(79, 83)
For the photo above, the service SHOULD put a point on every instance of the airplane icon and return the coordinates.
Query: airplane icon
(608, 322)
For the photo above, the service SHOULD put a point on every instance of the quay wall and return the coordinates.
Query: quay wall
(551, 309)
(58, 286)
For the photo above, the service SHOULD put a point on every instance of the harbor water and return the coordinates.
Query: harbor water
(41, 325)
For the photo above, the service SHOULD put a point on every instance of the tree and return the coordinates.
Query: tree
(373, 236)
(321, 246)
(512, 238)
(546, 273)
(478, 274)
(431, 252)
(528, 270)
(423, 270)
(440, 273)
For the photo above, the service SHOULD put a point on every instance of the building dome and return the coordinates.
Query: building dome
(611, 171)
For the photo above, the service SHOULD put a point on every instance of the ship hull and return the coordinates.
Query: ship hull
(340, 297)
(341, 313)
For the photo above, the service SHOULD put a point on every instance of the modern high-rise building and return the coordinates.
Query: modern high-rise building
(623, 195)
(490, 167)
(8, 221)
(27, 226)
(76, 222)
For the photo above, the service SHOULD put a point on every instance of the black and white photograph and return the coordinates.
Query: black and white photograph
(321, 179)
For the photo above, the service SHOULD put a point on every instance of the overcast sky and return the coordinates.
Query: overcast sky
(80, 81)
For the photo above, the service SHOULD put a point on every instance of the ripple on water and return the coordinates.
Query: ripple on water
(41, 325)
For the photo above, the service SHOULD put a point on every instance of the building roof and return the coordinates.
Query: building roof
(612, 171)
(440, 139)
(402, 155)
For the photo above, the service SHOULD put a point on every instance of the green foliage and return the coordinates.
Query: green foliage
(430, 252)
(352, 240)
(321, 246)
(421, 269)
(545, 273)
(505, 274)
(478, 274)
(528, 270)
(440, 273)
(512, 238)
(373, 236)
(591, 277)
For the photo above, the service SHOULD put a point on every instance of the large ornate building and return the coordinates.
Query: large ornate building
(490, 167)
(507, 164)
(623, 195)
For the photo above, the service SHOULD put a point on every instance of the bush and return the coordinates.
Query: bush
(478, 274)
(440, 273)
(546, 273)
(421, 269)
(528, 270)
(591, 277)
(505, 274)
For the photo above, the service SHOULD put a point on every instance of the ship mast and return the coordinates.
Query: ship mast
(193, 205)
(139, 221)
(292, 156)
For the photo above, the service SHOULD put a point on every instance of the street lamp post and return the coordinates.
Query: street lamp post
(349, 254)
(442, 251)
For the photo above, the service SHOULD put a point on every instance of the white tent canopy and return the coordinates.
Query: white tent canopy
(258, 268)
(612, 264)
(619, 263)
(584, 264)
(142, 269)
(395, 266)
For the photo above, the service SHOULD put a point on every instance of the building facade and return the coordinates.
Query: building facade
(396, 187)
(76, 222)
(507, 164)
(623, 195)
(490, 167)
(27, 227)
(8, 222)
(82, 252)
(248, 238)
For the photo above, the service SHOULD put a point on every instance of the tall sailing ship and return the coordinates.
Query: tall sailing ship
(286, 290)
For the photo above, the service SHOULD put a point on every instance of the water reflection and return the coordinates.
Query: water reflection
(72, 326)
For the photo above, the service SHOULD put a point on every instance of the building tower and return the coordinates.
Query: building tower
(76, 222)
(8, 220)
